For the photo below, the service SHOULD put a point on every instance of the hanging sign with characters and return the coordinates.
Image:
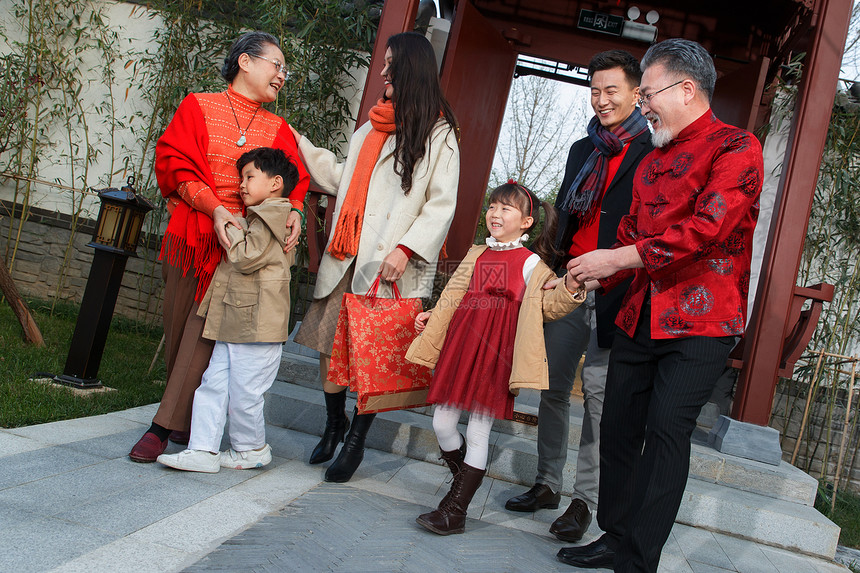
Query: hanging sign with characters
(600, 22)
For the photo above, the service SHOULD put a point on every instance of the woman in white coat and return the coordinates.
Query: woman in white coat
(396, 193)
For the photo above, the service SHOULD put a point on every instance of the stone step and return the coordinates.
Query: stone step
(303, 371)
(784, 481)
(714, 499)
(762, 519)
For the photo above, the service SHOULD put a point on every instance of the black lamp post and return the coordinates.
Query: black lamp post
(115, 240)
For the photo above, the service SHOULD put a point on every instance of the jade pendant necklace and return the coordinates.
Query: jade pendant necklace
(241, 141)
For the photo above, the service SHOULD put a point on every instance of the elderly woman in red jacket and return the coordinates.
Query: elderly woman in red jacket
(195, 163)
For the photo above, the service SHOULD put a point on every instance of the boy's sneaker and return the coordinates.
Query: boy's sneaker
(247, 459)
(192, 461)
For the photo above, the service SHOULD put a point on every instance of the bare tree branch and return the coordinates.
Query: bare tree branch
(537, 131)
(30, 329)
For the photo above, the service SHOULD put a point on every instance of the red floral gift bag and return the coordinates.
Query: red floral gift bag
(369, 352)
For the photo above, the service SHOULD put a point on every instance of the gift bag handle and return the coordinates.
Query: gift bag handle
(371, 292)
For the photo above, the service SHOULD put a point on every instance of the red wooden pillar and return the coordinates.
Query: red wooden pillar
(769, 323)
(476, 78)
(396, 17)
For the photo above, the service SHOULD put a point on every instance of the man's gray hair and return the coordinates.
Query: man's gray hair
(684, 58)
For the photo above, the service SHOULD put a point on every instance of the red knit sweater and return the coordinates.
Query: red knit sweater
(195, 164)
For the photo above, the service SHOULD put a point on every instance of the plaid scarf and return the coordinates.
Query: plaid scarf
(591, 179)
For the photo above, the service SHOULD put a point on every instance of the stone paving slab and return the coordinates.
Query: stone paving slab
(343, 527)
(71, 501)
(108, 446)
(337, 527)
(66, 431)
(10, 444)
(51, 542)
(35, 465)
(173, 527)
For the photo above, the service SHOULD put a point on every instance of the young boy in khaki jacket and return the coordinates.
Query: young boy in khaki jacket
(247, 310)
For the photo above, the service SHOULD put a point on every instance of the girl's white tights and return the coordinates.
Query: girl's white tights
(445, 420)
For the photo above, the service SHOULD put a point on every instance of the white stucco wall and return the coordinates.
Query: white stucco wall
(134, 26)
(774, 154)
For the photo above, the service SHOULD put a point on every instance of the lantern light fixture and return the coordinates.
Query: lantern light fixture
(120, 220)
(115, 239)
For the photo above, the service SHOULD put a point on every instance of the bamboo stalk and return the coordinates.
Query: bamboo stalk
(790, 402)
(828, 444)
(856, 447)
(812, 386)
(157, 352)
(831, 355)
(844, 437)
(19, 177)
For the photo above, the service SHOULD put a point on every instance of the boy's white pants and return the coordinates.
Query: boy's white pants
(234, 383)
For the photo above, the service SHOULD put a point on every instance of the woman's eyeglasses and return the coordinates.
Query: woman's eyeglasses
(282, 69)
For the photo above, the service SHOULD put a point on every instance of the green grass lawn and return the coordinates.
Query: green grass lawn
(846, 514)
(127, 356)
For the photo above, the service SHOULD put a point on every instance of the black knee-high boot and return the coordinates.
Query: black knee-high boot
(352, 452)
(336, 425)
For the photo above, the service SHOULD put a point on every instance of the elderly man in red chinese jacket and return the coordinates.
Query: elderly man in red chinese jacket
(687, 243)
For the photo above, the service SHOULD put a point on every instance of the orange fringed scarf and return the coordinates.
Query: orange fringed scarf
(344, 242)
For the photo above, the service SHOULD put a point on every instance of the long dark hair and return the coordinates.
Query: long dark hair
(518, 196)
(251, 43)
(418, 101)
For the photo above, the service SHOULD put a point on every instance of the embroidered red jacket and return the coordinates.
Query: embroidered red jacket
(695, 206)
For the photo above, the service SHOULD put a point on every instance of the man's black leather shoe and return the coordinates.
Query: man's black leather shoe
(540, 496)
(573, 523)
(595, 555)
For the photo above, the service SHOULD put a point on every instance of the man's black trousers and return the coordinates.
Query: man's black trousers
(655, 390)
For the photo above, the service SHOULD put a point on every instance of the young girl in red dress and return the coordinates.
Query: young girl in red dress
(485, 339)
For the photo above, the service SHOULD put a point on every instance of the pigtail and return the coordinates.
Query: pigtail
(544, 243)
